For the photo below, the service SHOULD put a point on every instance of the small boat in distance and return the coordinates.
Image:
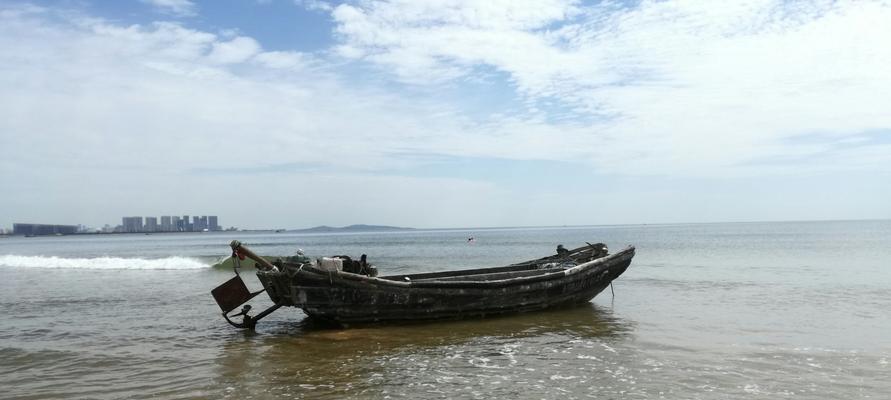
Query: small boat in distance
(347, 292)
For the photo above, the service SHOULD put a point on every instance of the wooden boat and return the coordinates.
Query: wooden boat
(331, 294)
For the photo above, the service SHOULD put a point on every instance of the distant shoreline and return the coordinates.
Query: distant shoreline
(385, 228)
(116, 233)
(317, 229)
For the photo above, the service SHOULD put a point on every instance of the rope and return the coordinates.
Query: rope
(292, 272)
(236, 265)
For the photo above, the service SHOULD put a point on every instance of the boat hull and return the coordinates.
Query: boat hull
(349, 298)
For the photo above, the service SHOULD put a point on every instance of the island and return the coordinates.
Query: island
(351, 228)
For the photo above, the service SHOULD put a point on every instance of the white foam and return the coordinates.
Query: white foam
(100, 262)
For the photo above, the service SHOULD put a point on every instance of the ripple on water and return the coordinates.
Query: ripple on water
(66, 374)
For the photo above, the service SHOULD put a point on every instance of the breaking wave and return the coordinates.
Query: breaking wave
(100, 262)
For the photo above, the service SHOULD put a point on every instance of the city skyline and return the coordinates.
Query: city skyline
(170, 223)
(131, 224)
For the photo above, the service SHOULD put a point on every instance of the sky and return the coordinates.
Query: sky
(444, 113)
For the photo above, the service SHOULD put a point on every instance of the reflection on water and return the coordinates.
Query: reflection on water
(306, 358)
(586, 320)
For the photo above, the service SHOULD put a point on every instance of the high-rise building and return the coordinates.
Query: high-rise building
(132, 224)
(166, 224)
(151, 224)
(213, 223)
(177, 224)
(187, 226)
(43, 229)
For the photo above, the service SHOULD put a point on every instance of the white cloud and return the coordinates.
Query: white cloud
(237, 50)
(432, 40)
(124, 94)
(686, 87)
(281, 59)
(314, 5)
(91, 95)
(182, 8)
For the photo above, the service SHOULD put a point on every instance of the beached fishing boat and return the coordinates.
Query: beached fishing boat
(346, 291)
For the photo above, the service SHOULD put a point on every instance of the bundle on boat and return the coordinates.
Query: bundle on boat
(346, 291)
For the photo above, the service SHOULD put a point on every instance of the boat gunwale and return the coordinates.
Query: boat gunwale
(376, 281)
(516, 267)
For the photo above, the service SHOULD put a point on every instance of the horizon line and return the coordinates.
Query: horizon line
(585, 225)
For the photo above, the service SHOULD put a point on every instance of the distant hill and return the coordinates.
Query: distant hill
(352, 228)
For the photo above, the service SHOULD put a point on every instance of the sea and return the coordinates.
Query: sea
(775, 310)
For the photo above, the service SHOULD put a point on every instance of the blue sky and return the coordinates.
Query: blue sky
(278, 25)
(283, 113)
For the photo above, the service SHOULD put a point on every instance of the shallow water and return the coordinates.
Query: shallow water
(766, 310)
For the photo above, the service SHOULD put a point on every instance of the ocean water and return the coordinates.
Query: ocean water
(706, 311)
